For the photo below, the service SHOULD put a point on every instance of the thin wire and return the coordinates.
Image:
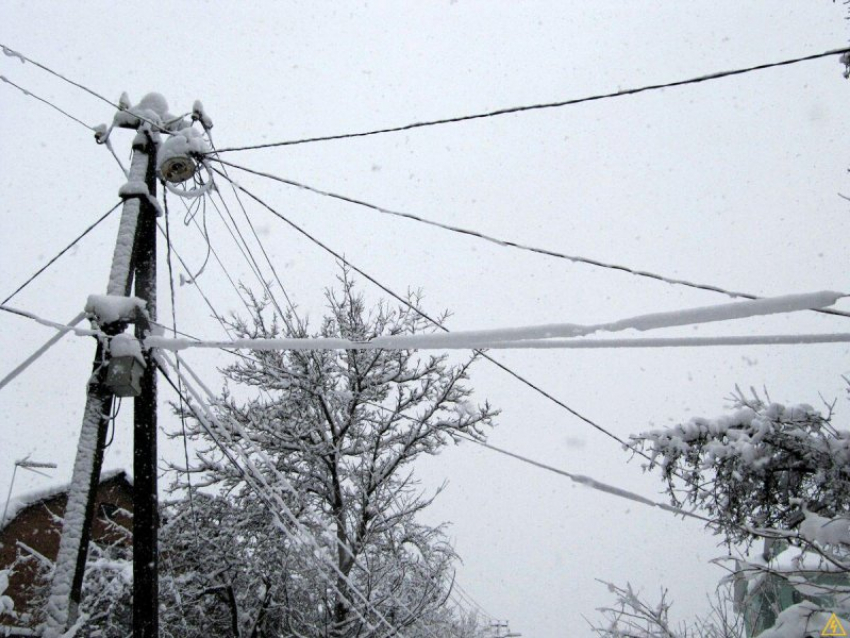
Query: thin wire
(262, 247)
(545, 105)
(424, 315)
(61, 252)
(108, 144)
(252, 261)
(47, 102)
(251, 264)
(200, 290)
(179, 379)
(16, 54)
(224, 270)
(111, 421)
(511, 244)
(466, 596)
(202, 205)
(590, 482)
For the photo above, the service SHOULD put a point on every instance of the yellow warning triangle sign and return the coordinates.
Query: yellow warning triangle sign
(833, 627)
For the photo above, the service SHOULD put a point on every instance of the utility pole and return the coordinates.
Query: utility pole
(498, 626)
(145, 501)
(134, 258)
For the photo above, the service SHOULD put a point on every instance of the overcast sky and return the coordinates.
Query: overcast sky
(733, 183)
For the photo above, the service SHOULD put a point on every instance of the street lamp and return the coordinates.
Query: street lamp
(32, 466)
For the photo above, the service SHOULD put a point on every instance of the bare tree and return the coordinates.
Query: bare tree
(632, 616)
(343, 428)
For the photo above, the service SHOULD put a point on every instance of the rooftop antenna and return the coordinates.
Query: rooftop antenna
(26, 464)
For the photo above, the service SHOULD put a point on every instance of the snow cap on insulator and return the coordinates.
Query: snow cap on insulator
(200, 115)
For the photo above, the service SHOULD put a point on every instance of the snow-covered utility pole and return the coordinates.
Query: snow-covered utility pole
(134, 258)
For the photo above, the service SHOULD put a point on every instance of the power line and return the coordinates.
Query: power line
(423, 314)
(464, 596)
(49, 103)
(262, 247)
(511, 244)
(199, 289)
(16, 54)
(438, 324)
(181, 406)
(26, 363)
(205, 236)
(61, 252)
(309, 344)
(545, 105)
(423, 342)
(591, 482)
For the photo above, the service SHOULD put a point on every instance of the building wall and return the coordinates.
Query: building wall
(36, 531)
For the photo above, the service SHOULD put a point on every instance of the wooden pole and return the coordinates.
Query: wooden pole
(146, 511)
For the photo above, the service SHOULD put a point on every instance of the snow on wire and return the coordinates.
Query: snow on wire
(539, 336)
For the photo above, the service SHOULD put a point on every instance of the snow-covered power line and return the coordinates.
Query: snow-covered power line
(558, 335)
(548, 105)
(306, 344)
(592, 483)
(541, 335)
(26, 363)
(61, 327)
(509, 243)
(29, 93)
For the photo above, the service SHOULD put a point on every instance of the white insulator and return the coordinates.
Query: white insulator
(177, 155)
(178, 169)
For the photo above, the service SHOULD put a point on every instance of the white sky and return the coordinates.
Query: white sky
(731, 182)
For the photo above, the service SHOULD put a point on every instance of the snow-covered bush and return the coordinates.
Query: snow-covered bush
(106, 606)
(773, 473)
(761, 467)
(7, 605)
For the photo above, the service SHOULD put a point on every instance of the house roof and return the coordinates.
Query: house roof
(23, 501)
